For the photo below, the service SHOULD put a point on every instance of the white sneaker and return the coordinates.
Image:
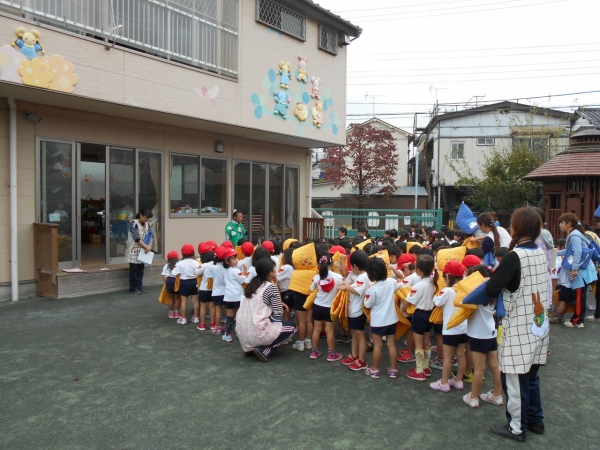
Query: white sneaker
(227, 338)
(298, 345)
(489, 397)
(195, 320)
(182, 321)
(307, 343)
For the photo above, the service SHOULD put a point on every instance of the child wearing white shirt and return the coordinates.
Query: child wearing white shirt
(186, 269)
(207, 258)
(169, 281)
(234, 291)
(380, 299)
(284, 276)
(357, 282)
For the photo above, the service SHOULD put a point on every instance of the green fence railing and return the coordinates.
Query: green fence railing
(377, 220)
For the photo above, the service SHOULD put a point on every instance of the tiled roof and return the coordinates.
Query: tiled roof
(593, 115)
(569, 163)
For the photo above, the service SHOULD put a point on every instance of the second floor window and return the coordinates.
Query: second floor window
(281, 18)
(540, 145)
(458, 150)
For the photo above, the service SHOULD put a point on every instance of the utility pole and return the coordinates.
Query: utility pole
(373, 97)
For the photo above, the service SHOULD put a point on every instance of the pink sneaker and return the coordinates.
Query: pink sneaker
(438, 386)
(334, 356)
(458, 385)
(176, 315)
(212, 327)
(171, 315)
(201, 327)
(490, 398)
(472, 402)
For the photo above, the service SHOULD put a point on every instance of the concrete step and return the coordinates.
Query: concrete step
(97, 281)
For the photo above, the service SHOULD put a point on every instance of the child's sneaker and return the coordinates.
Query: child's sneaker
(472, 402)
(437, 363)
(592, 319)
(403, 352)
(315, 353)
(372, 373)
(195, 319)
(176, 315)
(454, 361)
(348, 360)
(458, 385)
(438, 386)
(212, 327)
(222, 329)
(298, 345)
(201, 327)
(468, 378)
(171, 315)
(427, 372)
(323, 334)
(490, 398)
(413, 375)
(393, 373)
(358, 365)
(307, 343)
(226, 338)
(434, 348)
(217, 332)
(182, 321)
(406, 358)
(334, 356)
(570, 324)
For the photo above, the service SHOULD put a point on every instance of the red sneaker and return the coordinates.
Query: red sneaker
(427, 371)
(201, 327)
(406, 358)
(358, 365)
(413, 375)
(403, 352)
(349, 360)
(177, 315)
(212, 327)
(323, 334)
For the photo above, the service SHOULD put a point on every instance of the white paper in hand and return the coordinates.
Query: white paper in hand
(145, 258)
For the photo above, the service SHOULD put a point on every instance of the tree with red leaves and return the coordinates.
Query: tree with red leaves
(367, 163)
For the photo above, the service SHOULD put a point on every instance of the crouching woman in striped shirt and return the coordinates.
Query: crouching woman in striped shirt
(259, 322)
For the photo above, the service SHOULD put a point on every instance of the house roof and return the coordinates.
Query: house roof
(496, 107)
(318, 12)
(592, 115)
(576, 162)
(389, 125)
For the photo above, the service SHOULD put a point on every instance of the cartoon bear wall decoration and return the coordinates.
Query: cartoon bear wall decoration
(282, 102)
(285, 71)
(28, 42)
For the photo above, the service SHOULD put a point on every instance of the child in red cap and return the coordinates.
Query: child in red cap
(207, 258)
(454, 340)
(169, 281)
(186, 269)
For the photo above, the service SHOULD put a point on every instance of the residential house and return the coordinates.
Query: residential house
(464, 138)
(190, 109)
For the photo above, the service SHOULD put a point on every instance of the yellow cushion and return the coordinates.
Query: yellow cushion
(308, 304)
(305, 257)
(287, 243)
(437, 315)
(465, 287)
(409, 245)
(163, 297)
(337, 263)
(450, 254)
(301, 281)
(470, 244)
(361, 246)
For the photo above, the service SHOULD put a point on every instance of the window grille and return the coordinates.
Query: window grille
(200, 33)
(328, 40)
(281, 18)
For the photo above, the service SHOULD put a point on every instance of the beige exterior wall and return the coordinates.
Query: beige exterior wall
(130, 78)
(78, 126)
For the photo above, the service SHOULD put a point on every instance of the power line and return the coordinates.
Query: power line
(470, 56)
(461, 12)
(477, 73)
(403, 6)
(470, 81)
(439, 9)
(474, 49)
(477, 67)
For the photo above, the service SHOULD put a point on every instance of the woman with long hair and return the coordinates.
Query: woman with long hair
(259, 324)
(522, 278)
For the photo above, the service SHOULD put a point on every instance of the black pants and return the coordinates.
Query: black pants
(597, 312)
(523, 399)
(136, 274)
(287, 331)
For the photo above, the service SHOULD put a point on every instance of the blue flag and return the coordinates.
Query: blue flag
(466, 220)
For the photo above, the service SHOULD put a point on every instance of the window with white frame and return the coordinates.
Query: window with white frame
(458, 150)
(277, 16)
(328, 39)
(485, 141)
(540, 145)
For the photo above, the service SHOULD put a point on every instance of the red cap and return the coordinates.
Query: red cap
(455, 269)
(470, 261)
(337, 248)
(227, 244)
(173, 254)
(224, 252)
(247, 248)
(204, 247)
(406, 259)
(187, 249)
(269, 246)
(212, 244)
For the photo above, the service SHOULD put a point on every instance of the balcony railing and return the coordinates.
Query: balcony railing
(199, 33)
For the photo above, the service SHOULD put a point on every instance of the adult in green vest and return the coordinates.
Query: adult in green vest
(234, 230)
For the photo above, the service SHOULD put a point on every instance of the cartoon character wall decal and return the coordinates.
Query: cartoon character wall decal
(28, 42)
(316, 91)
(285, 72)
(302, 69)
(301, 111)
(209, 94)
(282, 102)
(539, 327)
(317, 114)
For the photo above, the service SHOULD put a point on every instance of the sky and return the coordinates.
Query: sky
(414, 51)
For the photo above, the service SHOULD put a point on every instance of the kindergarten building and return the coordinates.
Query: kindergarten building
(187, 108)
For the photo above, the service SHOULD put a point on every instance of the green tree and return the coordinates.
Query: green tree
(501, 185)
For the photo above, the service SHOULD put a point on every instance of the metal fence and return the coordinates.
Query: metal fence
(377, 220)
(200, 33)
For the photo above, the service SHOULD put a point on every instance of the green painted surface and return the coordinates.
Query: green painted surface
(111, 371)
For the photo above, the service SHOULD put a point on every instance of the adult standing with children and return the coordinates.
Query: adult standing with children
(259, 322)
(235, 230)
(138, 229)
(522, 278)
